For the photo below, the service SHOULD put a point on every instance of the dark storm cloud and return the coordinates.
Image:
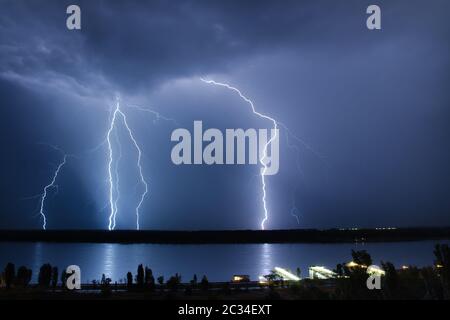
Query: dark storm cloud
(134, 43)
(130, 44)
(138, 43)
(374, 103)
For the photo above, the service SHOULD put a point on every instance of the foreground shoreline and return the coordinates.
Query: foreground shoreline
(228, 236)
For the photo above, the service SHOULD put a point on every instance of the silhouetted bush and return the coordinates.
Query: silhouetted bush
(161, 282)
(129, 280)
(149, 279)
(45, 275)
(64, 277)
(352, 283)
(23, 276)
(174, 282)
(9, 274)
(442, 265)
(194, 281)
(105, 286)
(54, 277)
(140, 277)
(204, 284)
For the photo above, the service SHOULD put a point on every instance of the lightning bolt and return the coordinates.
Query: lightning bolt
(49, 186)
(262, 159)
(158, 116)
(113, 180)
(294, 210)
(117, 117)
(117, 176)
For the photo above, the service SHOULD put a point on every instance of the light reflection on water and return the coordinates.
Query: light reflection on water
(266, 259)
(109, 261)
(218, 261)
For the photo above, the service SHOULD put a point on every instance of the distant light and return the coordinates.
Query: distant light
(352, 264)
(240, 278)
(405, 267)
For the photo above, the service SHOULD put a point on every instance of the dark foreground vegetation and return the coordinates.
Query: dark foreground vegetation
(408, 282)
(231, 236)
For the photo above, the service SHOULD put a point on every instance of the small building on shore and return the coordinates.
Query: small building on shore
(240, 278)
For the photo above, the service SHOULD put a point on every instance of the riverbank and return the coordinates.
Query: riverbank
(228, 236)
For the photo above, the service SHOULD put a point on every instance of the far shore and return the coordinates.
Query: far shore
(349, 235)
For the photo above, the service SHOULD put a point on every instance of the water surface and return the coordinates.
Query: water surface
(218, 261)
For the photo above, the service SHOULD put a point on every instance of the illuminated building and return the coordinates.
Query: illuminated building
(319, 272)
(285, 275)
(375, 270)
(372, 270)
(240, 278)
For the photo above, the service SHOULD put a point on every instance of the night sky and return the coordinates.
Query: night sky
(371, 106)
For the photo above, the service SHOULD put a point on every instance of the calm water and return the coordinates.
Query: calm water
(218, 262)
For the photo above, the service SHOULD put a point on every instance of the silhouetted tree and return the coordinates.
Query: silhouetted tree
(149, 279)
(273, 278)
(194, 281)
(105, 285)
(45, 275)
(161, 282)
(390, 280)
(10, 274)
(174, 282)
(54, 277)
(204, 283)
(24, 276)
(442, 264)
(353, 285)
(339, 270)
(299, 272)
(362, 257)
(140, 276)
(63, 278)
(433, 284)
(411, 284)
(129, 279)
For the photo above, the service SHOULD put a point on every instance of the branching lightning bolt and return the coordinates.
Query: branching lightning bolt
(113, 185)
(117, 176)
(262, 159)
(294, 210)
(49, 186)
(158, 116)
(116, 115)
